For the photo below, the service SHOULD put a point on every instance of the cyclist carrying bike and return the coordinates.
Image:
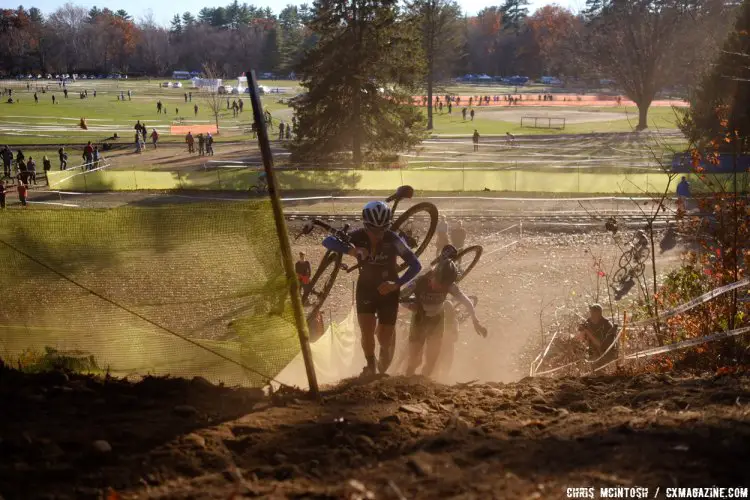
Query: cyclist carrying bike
(377, 293)
(428, 318)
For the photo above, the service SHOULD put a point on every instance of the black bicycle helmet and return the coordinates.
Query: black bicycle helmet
(446, 272)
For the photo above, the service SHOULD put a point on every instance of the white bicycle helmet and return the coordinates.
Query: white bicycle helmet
(376, 214)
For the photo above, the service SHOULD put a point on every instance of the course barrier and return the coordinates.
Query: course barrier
(384, 180)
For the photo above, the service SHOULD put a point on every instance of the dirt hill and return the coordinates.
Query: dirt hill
(75, 437)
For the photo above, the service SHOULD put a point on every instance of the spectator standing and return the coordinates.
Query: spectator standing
(303, 269)
(201, 145)
(36, 98)
(190, 96)
(472, 115)
(88, 154)
(94, 92)
(63, 158)
(683, 194)
(242, 105)
(235, 108)
(129, 95)
(31, 168)
(23, 191)
(2, 194)
(458, 236)
(158, 107)
(441, 235)
(475, 140)
(53, 99)
(20, 157)
(186, 97)
(190, 142)
(281, 131)
(154, 137)
(288, 132)
(209, 144)
(65, 92)
(96, 157)
(138, 148)
(195, 108)
(7, 157)
(47, 165)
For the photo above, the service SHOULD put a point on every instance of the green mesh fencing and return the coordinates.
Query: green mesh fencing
(567, 181)
(211, 274)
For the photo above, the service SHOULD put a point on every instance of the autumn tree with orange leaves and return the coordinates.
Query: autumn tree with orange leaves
(717, 124)
(554, 30)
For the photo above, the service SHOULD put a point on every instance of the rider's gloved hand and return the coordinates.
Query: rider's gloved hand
(480, 329)
(359, 253)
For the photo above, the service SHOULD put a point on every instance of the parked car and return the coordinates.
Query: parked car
(165, 85)
(176, 85)
(225, 89)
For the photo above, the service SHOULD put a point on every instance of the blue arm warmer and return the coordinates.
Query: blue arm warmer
(414, 267)
(335, 245)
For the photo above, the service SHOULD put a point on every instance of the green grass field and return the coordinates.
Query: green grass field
(40, 128)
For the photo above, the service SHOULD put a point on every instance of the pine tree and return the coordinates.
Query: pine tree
(514, 12)
(187, 20)
(291, 38)
(359, 77)
(175, 26)
(271, 51)
(719, 111)
(594, 9)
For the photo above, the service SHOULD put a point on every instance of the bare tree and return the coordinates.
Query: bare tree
(441, 31)
(641, 44)
(210, 95)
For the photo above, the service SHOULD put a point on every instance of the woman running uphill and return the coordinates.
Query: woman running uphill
(377, 295)
(428, 318)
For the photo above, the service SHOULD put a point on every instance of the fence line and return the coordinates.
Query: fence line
(372, 180)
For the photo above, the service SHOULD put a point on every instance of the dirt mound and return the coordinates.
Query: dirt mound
(74, 437)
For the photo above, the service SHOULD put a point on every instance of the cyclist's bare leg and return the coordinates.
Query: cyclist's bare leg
(434, 342)
(387, 339)
(448, 340)
(416, 349)
(367, 324)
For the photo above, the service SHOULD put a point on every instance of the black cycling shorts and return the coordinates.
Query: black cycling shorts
(369, 301)
(423, 326)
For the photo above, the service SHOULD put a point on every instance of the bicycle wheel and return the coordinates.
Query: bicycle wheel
(471, 255)
(420, 236)
(316, 292)
(626, 257)
(620, 276)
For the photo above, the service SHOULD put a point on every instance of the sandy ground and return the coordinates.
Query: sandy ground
(71, 437)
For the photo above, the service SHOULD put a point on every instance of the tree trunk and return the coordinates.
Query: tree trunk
(642, 115)
(429, 98)
(356, 139)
